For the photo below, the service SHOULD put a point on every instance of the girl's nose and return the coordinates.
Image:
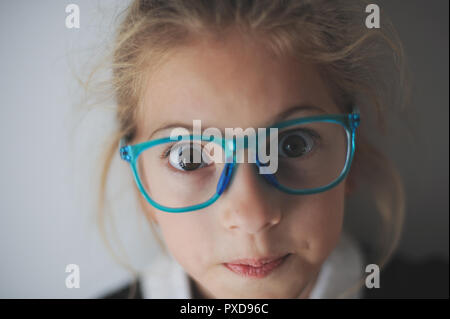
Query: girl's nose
(250, 204)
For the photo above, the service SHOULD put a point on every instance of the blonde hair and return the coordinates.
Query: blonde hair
(363, 67)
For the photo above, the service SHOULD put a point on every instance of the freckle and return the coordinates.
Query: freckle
(307, 245)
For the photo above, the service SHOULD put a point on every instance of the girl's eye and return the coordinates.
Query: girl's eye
(187, 157)
(295, 143)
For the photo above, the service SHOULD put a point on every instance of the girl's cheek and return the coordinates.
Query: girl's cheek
(315, 224)
(188, 238)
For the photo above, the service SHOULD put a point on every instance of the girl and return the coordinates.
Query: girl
(311, 69)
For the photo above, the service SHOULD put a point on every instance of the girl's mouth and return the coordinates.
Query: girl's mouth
(255, 268)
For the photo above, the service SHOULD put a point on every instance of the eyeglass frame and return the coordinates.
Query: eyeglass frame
(350, 122)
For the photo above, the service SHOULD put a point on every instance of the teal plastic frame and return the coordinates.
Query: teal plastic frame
(350, 122)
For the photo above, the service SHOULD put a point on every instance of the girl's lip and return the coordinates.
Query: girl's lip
(256, 268)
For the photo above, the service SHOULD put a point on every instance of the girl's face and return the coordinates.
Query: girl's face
(239, 84)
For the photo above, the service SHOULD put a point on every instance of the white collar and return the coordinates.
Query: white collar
(340, 272)
(166, 279)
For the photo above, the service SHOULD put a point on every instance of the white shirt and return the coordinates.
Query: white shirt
(165, 278)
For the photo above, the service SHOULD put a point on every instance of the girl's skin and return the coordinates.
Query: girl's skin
(235, 83)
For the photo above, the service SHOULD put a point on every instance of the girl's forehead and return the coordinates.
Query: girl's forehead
(230, 84)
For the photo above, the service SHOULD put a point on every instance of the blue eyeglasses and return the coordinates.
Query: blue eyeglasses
(314, 154)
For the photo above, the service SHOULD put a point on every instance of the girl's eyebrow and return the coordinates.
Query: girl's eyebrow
(170, 126)
(294, 109)
(278, 118)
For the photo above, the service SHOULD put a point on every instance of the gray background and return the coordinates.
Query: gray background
(47, 163)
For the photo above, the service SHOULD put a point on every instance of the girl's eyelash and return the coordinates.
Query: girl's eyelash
(313, 133)
(165, 153)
